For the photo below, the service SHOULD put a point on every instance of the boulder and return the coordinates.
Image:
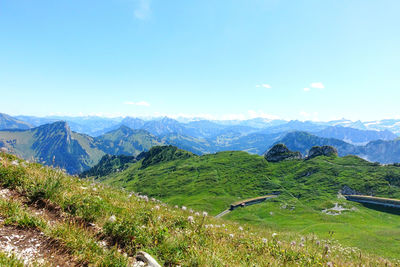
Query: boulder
(280, 152)
(327, 151)
(147, 259)
(349, 191)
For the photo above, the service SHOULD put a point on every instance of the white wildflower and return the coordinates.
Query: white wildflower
(240, 228)
(197, 214)
(112, 219)
(15, 163)
(176, 207)
(205, 214)
(264, 240)
(231, 235)
(274, 234)
(184, 208)
(190, 219)
(157, 207)
(293, 243)
(191, 211)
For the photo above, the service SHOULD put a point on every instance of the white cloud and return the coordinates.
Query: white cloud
(140, 103)
(143, 9)
(251, 114)
(317, 85)
(306, 89)
(309, 116)
(260, 114)
(264, 85)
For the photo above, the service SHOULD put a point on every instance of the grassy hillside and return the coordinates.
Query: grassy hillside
(125, 141)
(307, 187)
(93, 224)
(109, 164)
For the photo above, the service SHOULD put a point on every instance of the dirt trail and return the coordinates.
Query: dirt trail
(31, 245)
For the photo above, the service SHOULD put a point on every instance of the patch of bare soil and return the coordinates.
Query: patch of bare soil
(31, 245)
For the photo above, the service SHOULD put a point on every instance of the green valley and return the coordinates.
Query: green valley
(308, 193)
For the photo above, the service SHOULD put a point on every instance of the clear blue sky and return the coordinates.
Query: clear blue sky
(222, 58)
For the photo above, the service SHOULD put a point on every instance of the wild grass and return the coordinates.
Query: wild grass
(174, 236)
(17, 216)
(10, 260)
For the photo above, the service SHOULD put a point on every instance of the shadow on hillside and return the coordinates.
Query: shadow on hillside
(395, 211)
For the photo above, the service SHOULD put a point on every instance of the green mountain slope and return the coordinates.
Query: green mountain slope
(227, 176)
(160, 154)
(109, 164)
(7, 122)
(126, 141)
(307, 187)
(53, 144)
(56, 145)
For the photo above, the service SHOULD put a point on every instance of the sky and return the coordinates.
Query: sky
(225, 59)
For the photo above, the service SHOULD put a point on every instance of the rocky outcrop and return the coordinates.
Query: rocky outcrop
(322, 151)
(349, 191)
(280, 152)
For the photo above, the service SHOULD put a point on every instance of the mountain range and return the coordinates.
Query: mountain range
(56, 145)
(59, 144)
(381, 151)
(95, 125)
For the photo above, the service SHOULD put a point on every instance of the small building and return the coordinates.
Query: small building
(251, 201)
